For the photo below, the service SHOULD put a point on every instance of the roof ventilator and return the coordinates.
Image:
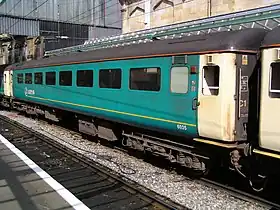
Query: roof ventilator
(180, 59)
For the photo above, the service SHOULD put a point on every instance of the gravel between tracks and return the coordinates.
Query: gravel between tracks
(178, 188)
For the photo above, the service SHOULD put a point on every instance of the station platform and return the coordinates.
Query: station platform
(25, 186)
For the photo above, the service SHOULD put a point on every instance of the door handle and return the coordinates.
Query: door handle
(195, 104)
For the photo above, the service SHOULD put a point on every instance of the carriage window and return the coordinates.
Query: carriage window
(19, 78)
(28, 78)
(147, 79)
(38, 78)
(84, 78)
(211, 80)
(274, 90)
(179, 79)
(50, 78)
(65, 78)
(110, 78)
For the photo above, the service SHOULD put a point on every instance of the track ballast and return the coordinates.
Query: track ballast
(97, 187)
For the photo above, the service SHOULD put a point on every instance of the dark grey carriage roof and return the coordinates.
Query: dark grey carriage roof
(272, 38)
(247, 40)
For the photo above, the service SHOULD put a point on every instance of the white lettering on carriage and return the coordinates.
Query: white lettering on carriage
(29, 92)
(182, 127)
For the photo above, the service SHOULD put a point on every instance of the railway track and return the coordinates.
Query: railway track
(240, 194)
(96, 186)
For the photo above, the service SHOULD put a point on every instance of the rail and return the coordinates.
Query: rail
(48, 154)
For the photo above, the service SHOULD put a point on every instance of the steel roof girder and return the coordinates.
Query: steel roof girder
(184, 28)
(238, 21)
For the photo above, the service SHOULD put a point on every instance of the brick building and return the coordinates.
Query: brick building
(145, 14)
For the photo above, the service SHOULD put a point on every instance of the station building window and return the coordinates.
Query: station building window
(147, 79)
(179, 79)
(50, 78)
(38, 78)
(274, 90)
(211, 80)
(20, 78)
(28, 78)
(65, 78)
(110, 78)
(85, 78)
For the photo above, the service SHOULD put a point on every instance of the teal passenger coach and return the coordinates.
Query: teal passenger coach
(169, 97)
(132, 91)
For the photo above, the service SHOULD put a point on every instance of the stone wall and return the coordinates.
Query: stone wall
(144, 14)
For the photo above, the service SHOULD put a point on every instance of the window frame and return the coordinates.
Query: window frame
(42, 78)
(170, 81)
(59, 78)
(210, 87)
(25, 76)
(18, 78)
(111, 88)
(151, 91)
(272, 93)
(46, 79)
(92, 80)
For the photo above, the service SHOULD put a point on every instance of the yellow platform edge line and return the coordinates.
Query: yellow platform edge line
(113, 111)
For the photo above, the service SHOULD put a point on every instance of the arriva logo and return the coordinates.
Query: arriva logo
(28, 92)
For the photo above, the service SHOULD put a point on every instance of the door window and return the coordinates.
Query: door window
(211, 80)
(179, 79)
(274, 89)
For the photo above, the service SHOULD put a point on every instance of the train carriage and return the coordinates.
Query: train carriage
(268, 97)
(6, 84)
(171, 97)
(2, 69)
(194, 100)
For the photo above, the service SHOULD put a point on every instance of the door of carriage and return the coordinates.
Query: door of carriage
(184, 88)
(8, 82)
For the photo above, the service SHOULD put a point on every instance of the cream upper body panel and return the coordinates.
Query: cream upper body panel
(216, 112)
(8, 82)
(270, 102)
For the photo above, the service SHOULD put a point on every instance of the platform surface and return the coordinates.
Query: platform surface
(21, 188)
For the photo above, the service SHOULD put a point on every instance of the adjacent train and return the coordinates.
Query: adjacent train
(197, 101)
